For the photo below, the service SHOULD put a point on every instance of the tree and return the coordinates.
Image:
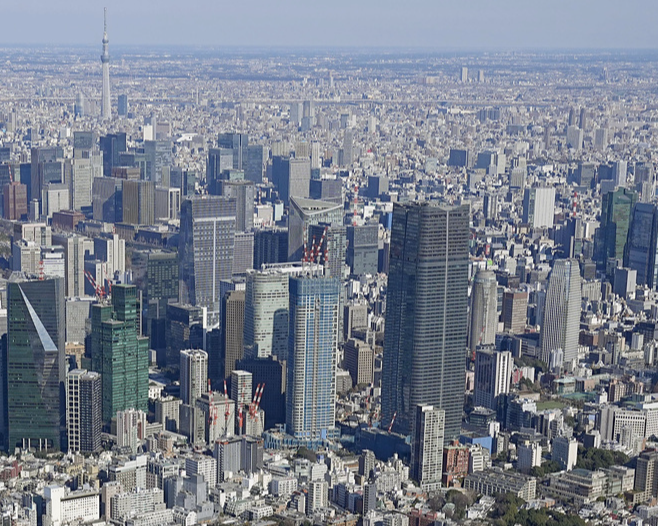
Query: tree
(307, 453)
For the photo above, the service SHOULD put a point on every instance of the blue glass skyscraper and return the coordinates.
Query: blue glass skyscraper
(312, 350)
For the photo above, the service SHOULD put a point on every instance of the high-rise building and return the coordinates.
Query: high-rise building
(243, 253)
(119, 353)
(122, 105)
(484, 315)
(610, 238)
(427, 440)
(47, 167)
(539, 207)
(15, 201)
(233, 329)
(238, 143)
(515, 308)
(241, 386)
(426, 314)
(36, 370)
(363, 249)
(131, 428)
(493, 374)
(641, 249)
(313, 346)
(205, 250)
(359, 360)
(84, 408)
(106, 109)
(83, 172)
(243, 192)
(75, 249)
(253, 169)
(158, 156)
(270, 246)
(561, 322)
(112, 146)
(329, 243)
(138, 202)
(305, 212)
(291, 177)
(646, 474)
(193, 375)
(565, 452)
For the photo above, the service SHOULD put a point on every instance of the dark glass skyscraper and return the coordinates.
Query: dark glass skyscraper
(36, 369)
(641, 251)
(426, 314)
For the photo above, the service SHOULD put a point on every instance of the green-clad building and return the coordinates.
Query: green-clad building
(610, 238)
(119, 353)
(36, 368)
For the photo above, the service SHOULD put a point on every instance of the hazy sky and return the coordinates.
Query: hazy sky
(438, 24)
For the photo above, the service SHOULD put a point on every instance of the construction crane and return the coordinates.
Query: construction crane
(390, 427)
(100, 292)
(227, 412)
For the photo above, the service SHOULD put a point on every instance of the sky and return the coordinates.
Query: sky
(436, 24)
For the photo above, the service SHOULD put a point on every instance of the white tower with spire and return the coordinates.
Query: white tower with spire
(106, 108)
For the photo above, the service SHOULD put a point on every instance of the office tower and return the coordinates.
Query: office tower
(348, 148)
(15, 201)
(426, 314)
(490, 206)
(291, 177)
(646, 474)
(36, 370)
(330, 242)
(113, 251)
(119, 353)
(574, 137)
(233, 329)
(565, 452)
(131, 428)
(243, 253)
(241, 386)
(539, 207)
(561, 320)
(254, 166)
(305, 212)
(75, 249)
(184, 329)
(107, 199)
(162, 283)
(515, 311)
(642, 244)
(193, 375)
(167, 203)
(122, 105)
(106, 109)
(464, 74)
(493, 373)
(54, 197)
(271, 373)
(158, 158)
(585, 174)
(484, 315)
(362, 249)
(47, 167)
(610, 238)
(219, 160)
(459, 158)
(620, 173)
(313, 345)
(207, 237)
(326, 190)
(139, 202)
(427, 441)
(270, 246)
(238, 143)
(112, 146)
(243, 192)
(83, 172)
(84, 408)
(359, 360)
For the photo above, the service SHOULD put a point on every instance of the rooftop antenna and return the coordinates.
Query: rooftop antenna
(105, 20)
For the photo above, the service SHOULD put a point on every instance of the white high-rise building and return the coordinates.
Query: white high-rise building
(561, 320)
(427, 447)
(565, 452)
(241, 386)
(539, 207)
(493, 374)
(131, 428)
(193, 375)
(106, 108)
(484, 315)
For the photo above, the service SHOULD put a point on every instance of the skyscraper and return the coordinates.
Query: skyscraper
(119, 353)
(106, 109)
(305, 212)
(426, 314)
(84, 409)
(515, 307)
(641, 251)
(484, 317)
(493, 372)
(312, 350)
(36, 369)
(427, 447)
(561, 321)
(233, 329)
(206, 250)
(539, 207)
(193, 375)
(610, 238)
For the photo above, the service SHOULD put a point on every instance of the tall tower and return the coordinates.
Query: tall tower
(106, 109)
(426, 315)
(484, 317)
(561, 322)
